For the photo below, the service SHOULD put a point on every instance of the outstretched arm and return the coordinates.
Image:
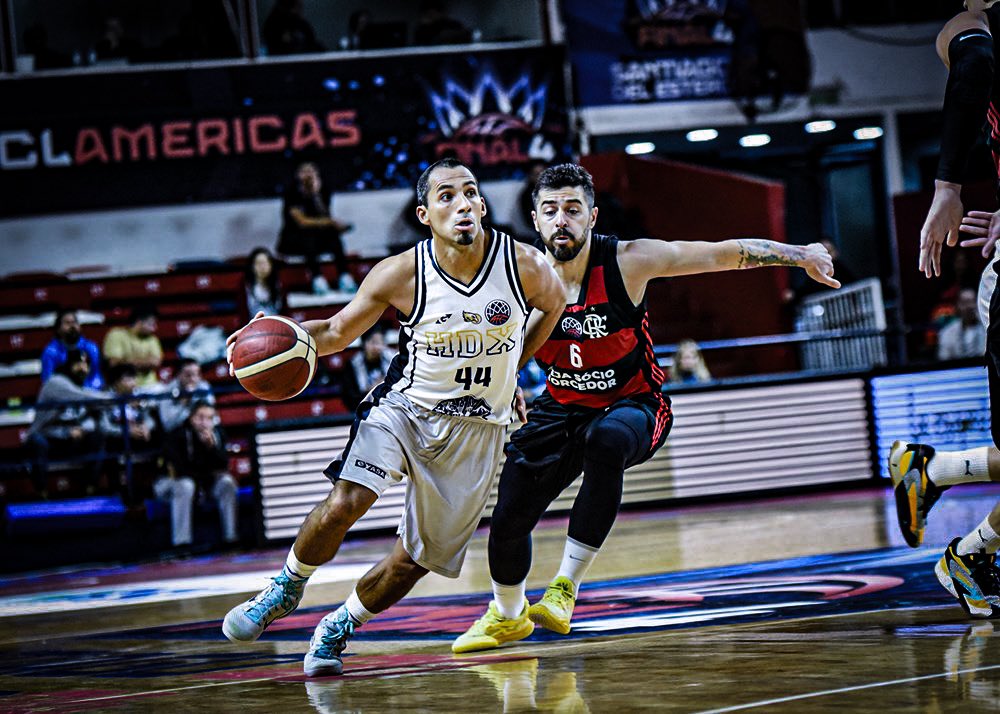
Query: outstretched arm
(645, 259)
(966, 48)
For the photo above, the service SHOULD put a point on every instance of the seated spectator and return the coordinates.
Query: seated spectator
(287, 32)
(308, 229)
(197, 466)
(132, 416)
(67, 426)
(689, 366)
(965, 335)
(186, 389)
(365, 369)
(137, 345)
(68, 337)
(435, 27)
(263, 291)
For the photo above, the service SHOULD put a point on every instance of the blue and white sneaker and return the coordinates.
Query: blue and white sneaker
(329, 640)
(246, 622)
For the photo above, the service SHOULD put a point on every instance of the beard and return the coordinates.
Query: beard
(465, 239)
(564, 253)
(71, 337)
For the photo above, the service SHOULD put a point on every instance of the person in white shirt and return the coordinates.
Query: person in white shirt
(965, 335)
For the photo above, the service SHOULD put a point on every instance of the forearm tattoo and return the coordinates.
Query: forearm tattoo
(761, 253)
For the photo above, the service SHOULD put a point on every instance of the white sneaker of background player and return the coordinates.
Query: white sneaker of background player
(320, 286)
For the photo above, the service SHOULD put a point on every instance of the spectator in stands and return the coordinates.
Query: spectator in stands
(965, 335)
(197, 466)
(136, 345)
(435, 27)
(263, 290)
(287, 32)
(115, 44)
(689, 366)
(68, 337)
(357, 25)
(133, 416)
(366, 369)
(68, 426)
(186, 389)
(308, 229)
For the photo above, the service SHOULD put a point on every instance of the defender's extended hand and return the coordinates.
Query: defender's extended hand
(942, 225)
(985, 226)
(819, 265)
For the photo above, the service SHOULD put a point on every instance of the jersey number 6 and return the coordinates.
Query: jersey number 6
(575, 358)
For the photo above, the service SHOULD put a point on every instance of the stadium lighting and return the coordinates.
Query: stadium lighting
(702, 135)
(868, 132)
(820, 126)
(640, 147)
(751, 140)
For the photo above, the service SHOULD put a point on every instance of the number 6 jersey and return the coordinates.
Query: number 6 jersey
(460, 347)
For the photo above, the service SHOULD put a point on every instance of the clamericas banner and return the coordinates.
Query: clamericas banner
(92, 141)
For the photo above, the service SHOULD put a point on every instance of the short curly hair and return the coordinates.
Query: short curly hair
(563, 176)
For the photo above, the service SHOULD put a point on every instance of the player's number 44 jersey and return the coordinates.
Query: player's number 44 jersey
(459, 349)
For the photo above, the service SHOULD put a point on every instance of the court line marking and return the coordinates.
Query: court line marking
(842, 690)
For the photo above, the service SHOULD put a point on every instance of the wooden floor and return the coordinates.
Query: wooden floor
(810, 604)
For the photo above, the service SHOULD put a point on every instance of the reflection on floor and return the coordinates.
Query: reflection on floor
(805, 604)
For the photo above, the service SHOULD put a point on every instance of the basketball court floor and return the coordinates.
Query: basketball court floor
(804, 604)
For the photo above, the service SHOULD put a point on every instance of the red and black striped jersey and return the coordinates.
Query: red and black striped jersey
(601, 351)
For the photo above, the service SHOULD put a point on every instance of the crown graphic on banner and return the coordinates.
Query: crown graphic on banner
(455, 106)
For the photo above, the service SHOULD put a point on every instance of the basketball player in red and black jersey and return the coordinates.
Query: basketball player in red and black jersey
(967, 45)
(603, 410)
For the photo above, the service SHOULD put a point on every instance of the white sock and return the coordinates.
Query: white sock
(297, 570)
(982, 540)
(577, 557)
(509, 599)
(358, 612)
(948, 468)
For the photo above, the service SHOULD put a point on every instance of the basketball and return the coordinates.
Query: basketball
(274, 358)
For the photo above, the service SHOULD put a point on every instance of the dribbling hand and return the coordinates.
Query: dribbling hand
(231, 344)
(985, 226)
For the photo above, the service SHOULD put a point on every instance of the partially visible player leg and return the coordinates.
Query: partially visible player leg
(317, 542)
(378, 589)
(612, 442)
(524, 493)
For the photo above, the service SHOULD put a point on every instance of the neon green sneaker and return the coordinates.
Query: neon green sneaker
(555, 609)
(492, 630)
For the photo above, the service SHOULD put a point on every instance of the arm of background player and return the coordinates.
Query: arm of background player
(544, 292)
(966, 47)
(389, 284)
(645, 259)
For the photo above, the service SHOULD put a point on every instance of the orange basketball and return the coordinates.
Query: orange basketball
(274, 358)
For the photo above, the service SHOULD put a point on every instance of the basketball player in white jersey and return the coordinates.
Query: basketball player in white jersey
(440, 416)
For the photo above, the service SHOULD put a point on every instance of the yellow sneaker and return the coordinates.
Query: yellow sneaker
(492, 630)
(555, 609)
